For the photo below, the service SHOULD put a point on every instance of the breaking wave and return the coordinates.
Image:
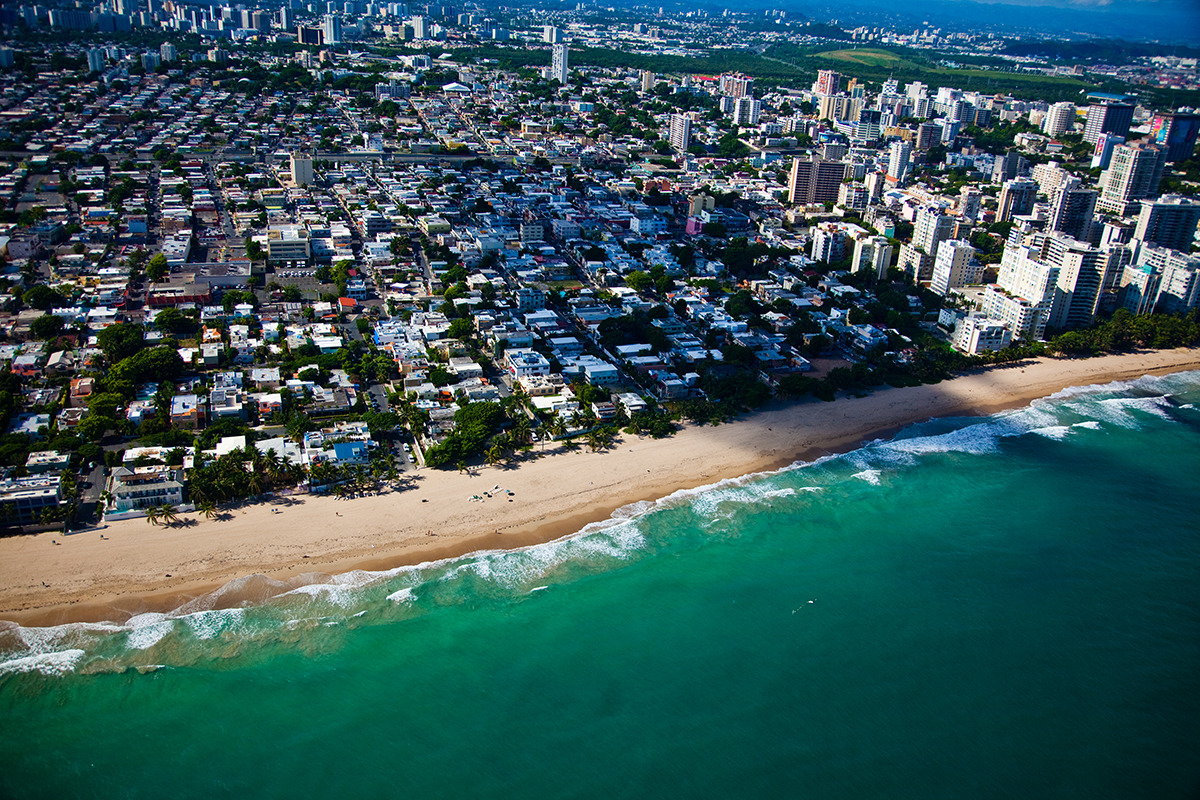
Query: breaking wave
(256, 608)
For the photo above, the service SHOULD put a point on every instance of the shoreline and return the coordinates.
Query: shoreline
(138, 568)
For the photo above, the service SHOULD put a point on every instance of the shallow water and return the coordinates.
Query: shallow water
(997, 607)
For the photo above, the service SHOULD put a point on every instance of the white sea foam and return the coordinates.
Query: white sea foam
(58, 663)
(210, 624)
(1057, 432)
(147, 630)
(1090, 425)
(871, 476)
(402, 596)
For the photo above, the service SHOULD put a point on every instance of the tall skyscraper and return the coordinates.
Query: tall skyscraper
(1169, 222)
(871, 254)
(552, 35)
(680, 132)
(648, 80)
(954, 267)
(932, 228)
(746, 111)
(1071, 210)
(827, 82)
(1134, 174)
(1108, 117)
(815, 180)
(1016, 198)
(302, 169)
(287, 18)
(558, 64)
(95, 60)
(928, 134)
(1176, 132)
(1059, 119)
(332, 29)
(898, 159)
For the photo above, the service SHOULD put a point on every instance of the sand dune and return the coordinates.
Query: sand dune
(138, 567)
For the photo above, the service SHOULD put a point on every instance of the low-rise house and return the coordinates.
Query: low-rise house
(23, 501)
(187, 411)
(134, 489)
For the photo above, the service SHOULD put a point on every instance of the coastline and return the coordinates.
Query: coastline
(50, 579)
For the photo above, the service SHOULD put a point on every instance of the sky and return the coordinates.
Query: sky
(1175, 21)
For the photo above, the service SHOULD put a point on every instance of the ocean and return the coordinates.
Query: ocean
(992, 607)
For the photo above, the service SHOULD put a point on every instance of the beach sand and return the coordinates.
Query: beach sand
(137, 567)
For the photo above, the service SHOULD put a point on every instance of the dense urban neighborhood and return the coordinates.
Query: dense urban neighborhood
(254, 251)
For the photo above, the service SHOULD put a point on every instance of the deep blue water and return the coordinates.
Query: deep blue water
(988, 608)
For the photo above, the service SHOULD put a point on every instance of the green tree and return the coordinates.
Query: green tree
(46, 326)
(120, 341)
(157, 269)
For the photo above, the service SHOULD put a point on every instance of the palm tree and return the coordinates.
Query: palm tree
(494, 455)
(207, 509)
(152, 514)
(167, 513)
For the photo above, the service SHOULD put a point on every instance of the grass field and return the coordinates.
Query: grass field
(870, 58)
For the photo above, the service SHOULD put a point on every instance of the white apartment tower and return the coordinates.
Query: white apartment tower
(1059, 119)
(746, 111)
(898, 158)
(954, 267)
(932, 228)
(302, 170)
(871, 254)
(1133, 174)
(558, 64)
(680, 134)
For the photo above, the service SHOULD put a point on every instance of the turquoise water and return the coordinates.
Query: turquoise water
(987, 608)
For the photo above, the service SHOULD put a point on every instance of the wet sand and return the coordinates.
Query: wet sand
(138, 567)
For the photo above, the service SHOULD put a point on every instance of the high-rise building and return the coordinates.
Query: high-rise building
(287, 18)
(1016, 198)
(1059, 119)
(1163, 280)
(95, 60)
(302, 169)
(1008, 166)
(871, 254)
(1134, 174)
(954, 267)
(150, 61)
(307, 35)
(815, 180)
(827, 82)
(680, 134)
(1108, 117)
(898, 158)
(558, 64)
(1085, 275)
(932, 228)
(970, 201)
(1102, 155)
(1072, 208)
(331, 29)
(746, 111)
(736, 85)
(1169, 222)
(648, 80)
(552, 35)
(1176, 132)
(928, 134)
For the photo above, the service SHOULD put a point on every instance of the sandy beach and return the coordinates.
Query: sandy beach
(131, 567)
